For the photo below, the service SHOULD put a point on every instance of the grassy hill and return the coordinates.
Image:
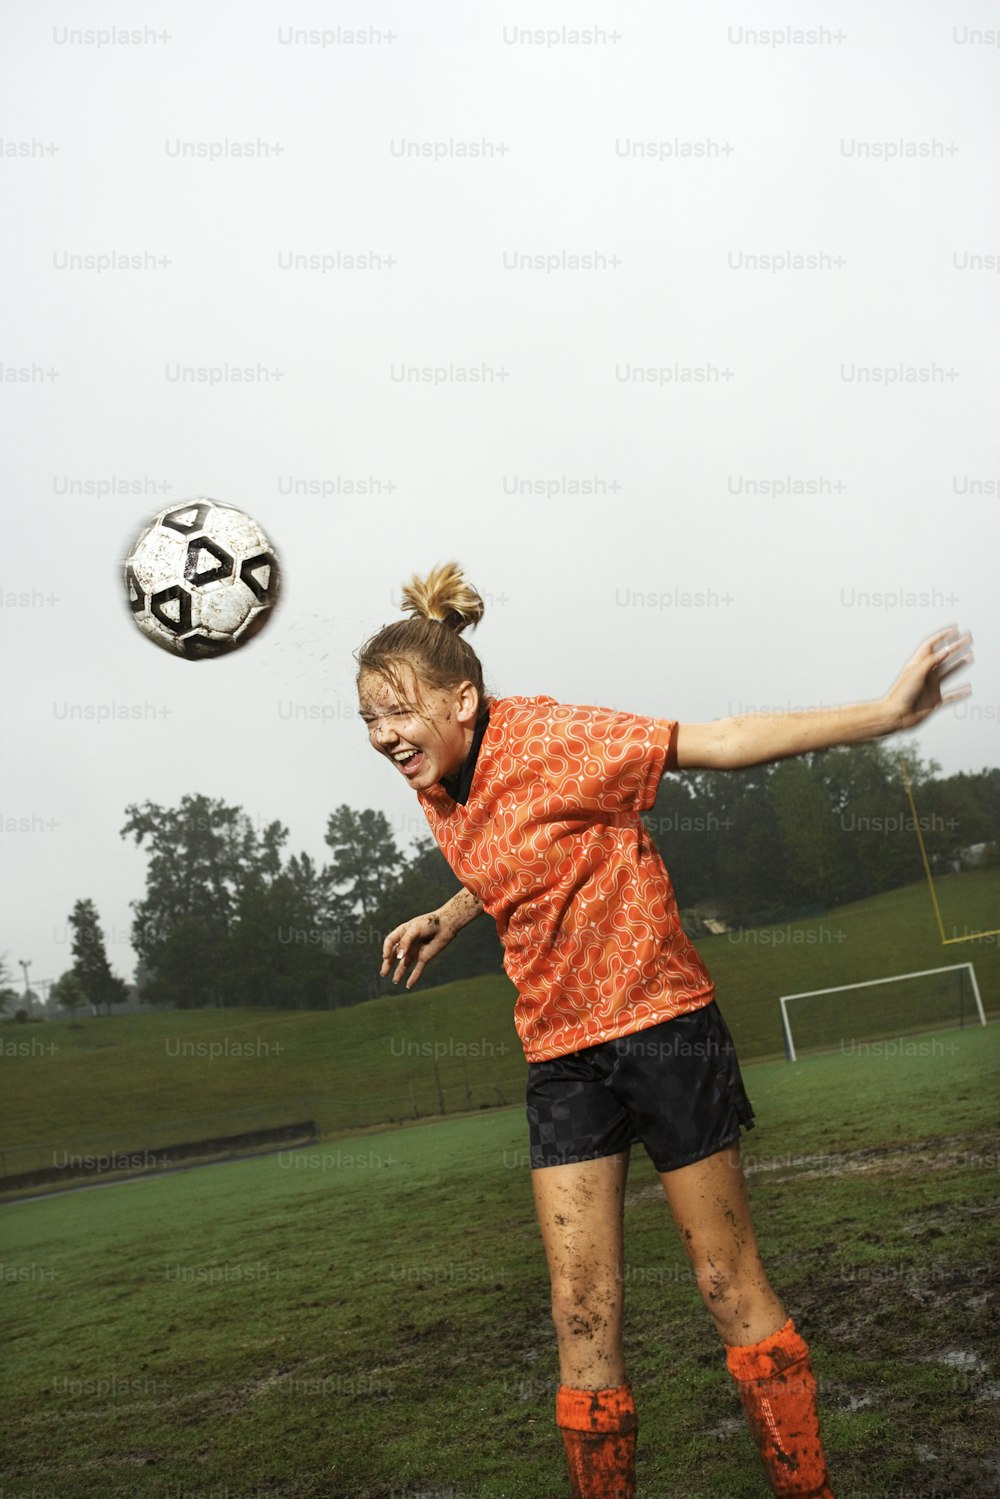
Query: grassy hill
(147, 1081)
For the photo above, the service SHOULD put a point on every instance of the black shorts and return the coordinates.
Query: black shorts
(675, 1087)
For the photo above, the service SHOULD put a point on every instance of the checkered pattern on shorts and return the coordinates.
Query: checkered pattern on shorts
(675, 1087)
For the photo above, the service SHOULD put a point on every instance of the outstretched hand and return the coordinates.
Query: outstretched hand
(916, 693)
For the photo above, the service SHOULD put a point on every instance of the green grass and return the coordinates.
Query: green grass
(369, 1317)
(141, 1082)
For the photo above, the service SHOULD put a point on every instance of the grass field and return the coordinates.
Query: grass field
(369, 1318)
(139, 1082)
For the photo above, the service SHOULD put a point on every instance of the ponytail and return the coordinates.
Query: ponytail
(440, 606)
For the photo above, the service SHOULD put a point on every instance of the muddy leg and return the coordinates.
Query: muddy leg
(765, 1355)
(580, 1212)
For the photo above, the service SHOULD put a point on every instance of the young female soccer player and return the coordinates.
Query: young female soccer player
(536, 806)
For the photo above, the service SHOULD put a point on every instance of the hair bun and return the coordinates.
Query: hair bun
(444, 595)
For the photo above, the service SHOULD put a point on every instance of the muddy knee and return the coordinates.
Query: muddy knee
(588, 1314)
(735, 1295)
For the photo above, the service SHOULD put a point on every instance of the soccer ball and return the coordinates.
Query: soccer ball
(201, 578)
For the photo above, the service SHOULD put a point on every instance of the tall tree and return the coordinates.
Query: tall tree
(204, 857)
(361, 876)
(90, 960)
(365, 858)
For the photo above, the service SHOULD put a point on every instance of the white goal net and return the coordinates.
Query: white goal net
(841, 1018)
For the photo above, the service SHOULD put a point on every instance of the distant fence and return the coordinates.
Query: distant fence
(327, 1112)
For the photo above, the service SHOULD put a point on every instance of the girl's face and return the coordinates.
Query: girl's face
(441, 739)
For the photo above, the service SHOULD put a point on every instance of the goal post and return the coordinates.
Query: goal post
(945, 941)
(933, 1004)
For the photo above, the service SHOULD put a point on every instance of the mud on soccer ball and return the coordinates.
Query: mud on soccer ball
(201, 578)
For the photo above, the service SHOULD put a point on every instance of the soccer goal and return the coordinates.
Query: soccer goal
(900, 1005)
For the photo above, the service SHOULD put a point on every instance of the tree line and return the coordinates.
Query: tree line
(229, 919)
(801, 835)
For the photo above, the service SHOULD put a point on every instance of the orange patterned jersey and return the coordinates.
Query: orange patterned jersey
(551, 841)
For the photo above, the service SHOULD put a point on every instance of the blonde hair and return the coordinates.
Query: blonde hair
(441, 605)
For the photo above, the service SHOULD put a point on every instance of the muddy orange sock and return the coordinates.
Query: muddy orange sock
(778, 1391)
(598, 1429)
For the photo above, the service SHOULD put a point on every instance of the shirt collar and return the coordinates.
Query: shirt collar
(459, 783)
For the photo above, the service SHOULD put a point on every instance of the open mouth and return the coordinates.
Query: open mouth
(412, 762)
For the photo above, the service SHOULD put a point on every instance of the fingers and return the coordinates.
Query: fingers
(950, 652)
(405, 957)
(419, 939)
(402, 952)
(391, 942)
(946, 642)
(949, 658)
(945, 664)
(395, 946)
(946, 671)
(939, 636)
(399, 945)
(942, 653)
(415, 974)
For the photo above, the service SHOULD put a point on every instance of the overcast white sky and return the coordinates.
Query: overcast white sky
(871, 146)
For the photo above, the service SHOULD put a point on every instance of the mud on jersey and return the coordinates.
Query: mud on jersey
(551, 841)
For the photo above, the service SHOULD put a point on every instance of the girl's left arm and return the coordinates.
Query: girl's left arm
(757, 738)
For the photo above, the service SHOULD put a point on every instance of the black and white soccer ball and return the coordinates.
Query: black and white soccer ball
(201, 578)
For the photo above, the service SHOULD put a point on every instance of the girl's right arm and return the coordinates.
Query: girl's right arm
(424, 937)
(462, 908)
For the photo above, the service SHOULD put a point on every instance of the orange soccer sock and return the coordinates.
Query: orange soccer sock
(778, 1391)
(598, 1429)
